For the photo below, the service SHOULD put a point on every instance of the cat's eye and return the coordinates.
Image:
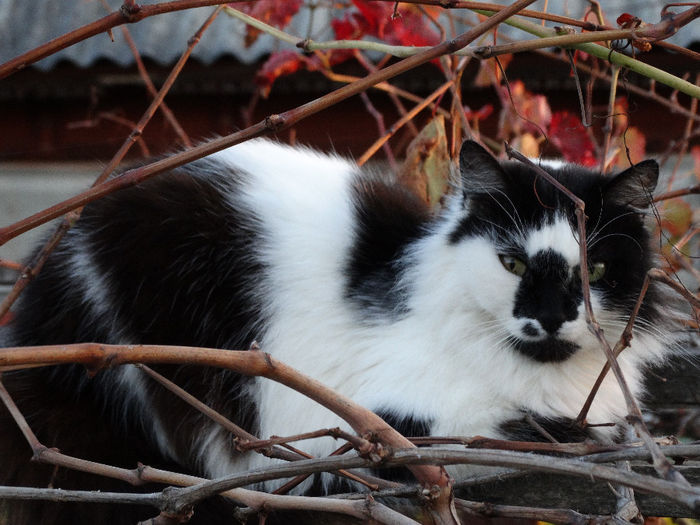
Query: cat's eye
(513, 264)
(596, 271)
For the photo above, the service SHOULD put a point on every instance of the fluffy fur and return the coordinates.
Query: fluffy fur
(456, 324)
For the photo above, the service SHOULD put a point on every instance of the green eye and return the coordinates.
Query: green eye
(513, 264)
(596, 271)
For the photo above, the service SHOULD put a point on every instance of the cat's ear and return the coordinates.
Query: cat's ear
(634, 186)
(480, 172)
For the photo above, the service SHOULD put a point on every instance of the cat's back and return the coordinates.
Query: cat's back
(195, 255)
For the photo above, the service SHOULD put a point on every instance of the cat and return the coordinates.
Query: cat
(469, 321)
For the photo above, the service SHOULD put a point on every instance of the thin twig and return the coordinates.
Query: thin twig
(399, 123)
(609, 126)
(230, 426)
(560, 516)
(153, 92)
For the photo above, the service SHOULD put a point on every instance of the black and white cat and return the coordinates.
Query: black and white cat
(456, 324)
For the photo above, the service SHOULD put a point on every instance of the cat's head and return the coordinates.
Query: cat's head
(526, 232)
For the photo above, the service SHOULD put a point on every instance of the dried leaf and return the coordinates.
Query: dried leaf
(528, 145)
(489, 72)
(426, 170)
(633, 143)
(531, 113)
(567, 133)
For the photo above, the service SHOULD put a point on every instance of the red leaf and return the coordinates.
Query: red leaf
(278, 64)
(352, 26)
(480, 114)
(567, 133)
(272, 12)
(409, 28)
(626, 20)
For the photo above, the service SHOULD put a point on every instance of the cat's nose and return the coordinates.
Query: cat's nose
(552, 322)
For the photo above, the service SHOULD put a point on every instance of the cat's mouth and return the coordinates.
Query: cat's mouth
(548, 350)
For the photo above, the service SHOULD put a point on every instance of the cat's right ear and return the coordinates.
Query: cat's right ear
(480, 172)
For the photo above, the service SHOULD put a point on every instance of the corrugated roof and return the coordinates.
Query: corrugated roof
(25, 24)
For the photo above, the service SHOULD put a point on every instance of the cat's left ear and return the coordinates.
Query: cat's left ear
(480, 172)
(634, 186)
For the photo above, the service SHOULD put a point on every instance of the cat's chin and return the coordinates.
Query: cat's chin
(549, 350)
